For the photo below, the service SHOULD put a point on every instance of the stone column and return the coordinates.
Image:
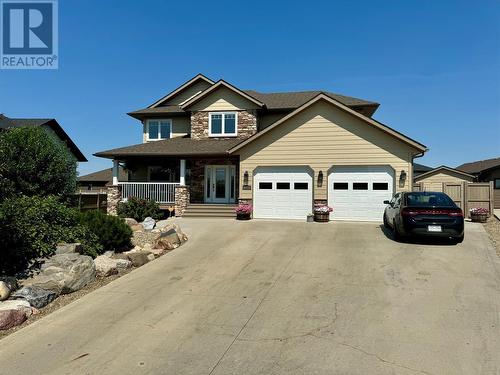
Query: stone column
(181, 199)
(113, 198)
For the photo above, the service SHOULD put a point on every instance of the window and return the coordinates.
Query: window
(283, 185)
(265, 185)
(497, 183)
(380, 186)
(158, 129)
(301, 186)
(162, 174)
(223, 124)
(340, 186)
(428, 199)
(360, 186)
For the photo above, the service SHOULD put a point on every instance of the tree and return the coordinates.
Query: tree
(34, 162)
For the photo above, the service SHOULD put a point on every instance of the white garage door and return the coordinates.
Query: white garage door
(282, 193)
(357, 193)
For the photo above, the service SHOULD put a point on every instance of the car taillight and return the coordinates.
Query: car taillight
(456, 213)
(415, 211)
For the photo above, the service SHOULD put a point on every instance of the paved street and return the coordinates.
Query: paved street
(268, 297)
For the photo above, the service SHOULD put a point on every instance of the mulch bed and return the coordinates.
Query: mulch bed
(65, 299)
(492, 226)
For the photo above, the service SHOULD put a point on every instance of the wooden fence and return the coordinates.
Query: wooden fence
(466, 195)
(87, 200)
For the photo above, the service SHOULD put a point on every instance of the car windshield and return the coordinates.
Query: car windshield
(421, 199)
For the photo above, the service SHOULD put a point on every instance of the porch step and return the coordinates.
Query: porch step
(210, 210)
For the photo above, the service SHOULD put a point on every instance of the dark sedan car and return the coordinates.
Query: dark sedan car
(414, 214)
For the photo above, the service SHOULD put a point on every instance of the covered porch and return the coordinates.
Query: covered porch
(177, 182)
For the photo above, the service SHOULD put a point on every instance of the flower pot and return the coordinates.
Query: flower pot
(478, 218)
(243, 216)
(322, 217)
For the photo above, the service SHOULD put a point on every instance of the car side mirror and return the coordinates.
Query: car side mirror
(387, 202)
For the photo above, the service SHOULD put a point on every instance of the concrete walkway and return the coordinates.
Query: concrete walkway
(264, 297)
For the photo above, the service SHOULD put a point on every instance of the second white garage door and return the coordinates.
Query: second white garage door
(357, 193)
(282, 193)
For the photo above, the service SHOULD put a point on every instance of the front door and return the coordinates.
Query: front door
(219, 183)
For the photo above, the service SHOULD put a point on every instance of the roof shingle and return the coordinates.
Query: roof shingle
(479, 166)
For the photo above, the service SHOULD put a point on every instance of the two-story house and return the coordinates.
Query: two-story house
(212, 143)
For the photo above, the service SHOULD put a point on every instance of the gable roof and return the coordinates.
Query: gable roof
(420, 168)
(323, 96)
(6, 122)
(182, 87)
(105, 175)
(173, 147)
(445, 169)
(280, 100)
(479, 166)
(219, 84)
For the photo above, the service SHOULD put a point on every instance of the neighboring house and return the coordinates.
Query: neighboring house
(434, 179)
(485, 171)
(100, 180)
(51, 125)
(215, 143)
(418, 169)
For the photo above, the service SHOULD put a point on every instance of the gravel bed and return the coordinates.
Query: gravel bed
(65, 299)
(492, 226)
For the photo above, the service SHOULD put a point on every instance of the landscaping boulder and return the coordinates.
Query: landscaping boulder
(16, 304)
(136, 227)
(11, 318)
(64, 273)
(123, 264)
(148, 223)
(121, 256)
(138, 258)
(68, 248)
(11, 282)
(37, 297)
(105, 266)
(4, 291)
(168, 240)
(163, 223)
(130, 222)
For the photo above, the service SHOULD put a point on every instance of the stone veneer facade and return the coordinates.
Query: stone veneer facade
(181, 199)
(247, 124)
(113, 198)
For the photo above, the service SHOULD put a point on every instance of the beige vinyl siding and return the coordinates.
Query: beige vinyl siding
(223, 99)
(434, 181)
(188, 92)
(181, 126)
(323, 136)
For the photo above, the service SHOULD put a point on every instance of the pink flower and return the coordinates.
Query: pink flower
(244, 208)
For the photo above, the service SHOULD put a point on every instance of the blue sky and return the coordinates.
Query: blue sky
(433, 65)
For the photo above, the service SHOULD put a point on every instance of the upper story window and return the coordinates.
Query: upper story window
(158, 129)
(223, 124)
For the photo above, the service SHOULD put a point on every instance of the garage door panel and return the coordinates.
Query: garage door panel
(364, 203)
(285, 200)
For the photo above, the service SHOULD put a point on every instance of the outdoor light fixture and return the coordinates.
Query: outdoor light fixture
(320, 179)
(402, 177)
(245, 178)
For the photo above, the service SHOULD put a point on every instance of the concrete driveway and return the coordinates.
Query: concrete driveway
(265, 297)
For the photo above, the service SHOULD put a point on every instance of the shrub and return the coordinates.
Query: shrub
(113, 233)
(139, 209)
(31, 227)
(33, 162)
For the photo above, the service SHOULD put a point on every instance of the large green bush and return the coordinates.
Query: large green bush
(139, 209)
(113, 233)
(34, 162)
(31, 227)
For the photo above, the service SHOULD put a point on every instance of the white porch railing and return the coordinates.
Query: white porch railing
(161, 192)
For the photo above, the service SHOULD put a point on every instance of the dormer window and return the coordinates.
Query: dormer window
(158, 129)
(223, 124)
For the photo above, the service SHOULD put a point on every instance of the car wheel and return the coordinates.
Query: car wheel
(386, 223)
(459, 239)
(397, 235)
